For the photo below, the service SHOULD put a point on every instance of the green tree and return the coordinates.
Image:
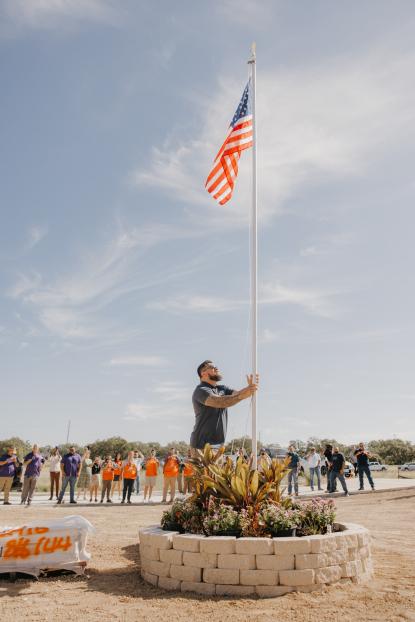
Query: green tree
(22, 447)
(110, 447)
(393, 451)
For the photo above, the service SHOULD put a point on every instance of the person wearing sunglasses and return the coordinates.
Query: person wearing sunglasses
(211, 401)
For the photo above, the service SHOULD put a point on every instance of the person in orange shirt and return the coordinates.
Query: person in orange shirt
(117, 475)
(151, 466)
(129, 474)
(170, 472)
(107, 471)
(188, 474)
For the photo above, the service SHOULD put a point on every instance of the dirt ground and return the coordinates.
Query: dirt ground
(115, 591)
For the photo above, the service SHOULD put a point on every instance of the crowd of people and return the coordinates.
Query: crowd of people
(334, 462)
(99, 478)
(102, 478)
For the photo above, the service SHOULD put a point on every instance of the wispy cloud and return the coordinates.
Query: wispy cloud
(269, 336)
(36, 235)
(70, 306)
(172, 391)
(328, 244)
(20, 15)
(312, 300)
(201, 304)
(315, 123)
(138, 361)
(143, 411)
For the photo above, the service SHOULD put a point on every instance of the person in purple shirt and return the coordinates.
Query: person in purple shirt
(70, 467)
(33, 463)
(8, 464)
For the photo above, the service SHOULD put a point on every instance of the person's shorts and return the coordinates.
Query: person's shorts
(151, 480)
(117, 478)
(95, 479)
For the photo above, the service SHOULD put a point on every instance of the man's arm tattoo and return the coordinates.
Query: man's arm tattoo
(223, 401)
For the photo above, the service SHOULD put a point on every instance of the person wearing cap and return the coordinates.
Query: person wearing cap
(211, 401)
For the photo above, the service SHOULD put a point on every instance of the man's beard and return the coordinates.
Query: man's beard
(215, 377)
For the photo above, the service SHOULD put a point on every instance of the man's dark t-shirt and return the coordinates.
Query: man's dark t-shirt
(294, 460)
(338, 461)
(211, 423)
(362, 458)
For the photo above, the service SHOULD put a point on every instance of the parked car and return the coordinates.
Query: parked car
(409, 466)
(377, 466)
(348, 469)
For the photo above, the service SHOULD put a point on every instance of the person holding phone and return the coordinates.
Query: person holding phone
(33, 462)
(8, 465)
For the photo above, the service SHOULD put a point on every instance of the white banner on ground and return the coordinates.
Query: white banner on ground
(44, 545)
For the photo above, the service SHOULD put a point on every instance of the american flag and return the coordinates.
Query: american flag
(221, 179)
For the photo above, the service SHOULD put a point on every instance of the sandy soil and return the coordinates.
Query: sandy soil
(115, 591)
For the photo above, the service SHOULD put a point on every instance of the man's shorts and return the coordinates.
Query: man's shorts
(151, 480)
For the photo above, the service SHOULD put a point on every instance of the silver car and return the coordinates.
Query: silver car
(409, 466)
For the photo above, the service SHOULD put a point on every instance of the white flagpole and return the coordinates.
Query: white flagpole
(254, 257)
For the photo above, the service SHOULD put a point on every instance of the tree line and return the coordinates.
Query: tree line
(389, 451)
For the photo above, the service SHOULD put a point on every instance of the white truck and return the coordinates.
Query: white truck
(377, 466)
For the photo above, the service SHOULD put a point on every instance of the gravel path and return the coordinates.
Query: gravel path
(114, 590)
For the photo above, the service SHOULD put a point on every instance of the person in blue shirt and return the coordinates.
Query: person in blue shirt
(294, 467)
(8, 463)
(33, 462)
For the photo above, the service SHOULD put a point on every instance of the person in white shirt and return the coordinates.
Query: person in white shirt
(54, 471)
(314, 462)
(138, 461)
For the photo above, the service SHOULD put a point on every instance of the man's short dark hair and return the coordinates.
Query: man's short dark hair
(201, 366)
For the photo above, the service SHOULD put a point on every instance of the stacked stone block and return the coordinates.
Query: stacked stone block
(266, 567)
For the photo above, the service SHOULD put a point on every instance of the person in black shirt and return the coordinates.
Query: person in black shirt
(328, 454)
(337, 471)
(294, 467)
(362, 457)
(211, 401)
(96, 470)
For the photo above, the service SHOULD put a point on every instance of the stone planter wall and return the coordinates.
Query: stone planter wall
(266, 567)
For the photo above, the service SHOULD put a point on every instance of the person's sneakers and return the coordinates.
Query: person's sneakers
(128, 502)
(109, 501)
(6, 503)
(22, 502)
(123, 501)
(346, 494)
(102, 501)
(29, 501)
(50, 498)
(90, 501)
(59, 501)
(361, 488)
(73, 501)
(373, 489)
(96, 500)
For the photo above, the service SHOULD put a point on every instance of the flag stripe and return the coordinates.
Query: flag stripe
(221, 179)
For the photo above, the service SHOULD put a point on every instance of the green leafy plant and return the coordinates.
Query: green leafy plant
(235, 484)
(184, 515)
(221, 520)
(279, 519)
(315, 516)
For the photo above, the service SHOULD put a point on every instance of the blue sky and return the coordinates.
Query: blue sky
(119, 274)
